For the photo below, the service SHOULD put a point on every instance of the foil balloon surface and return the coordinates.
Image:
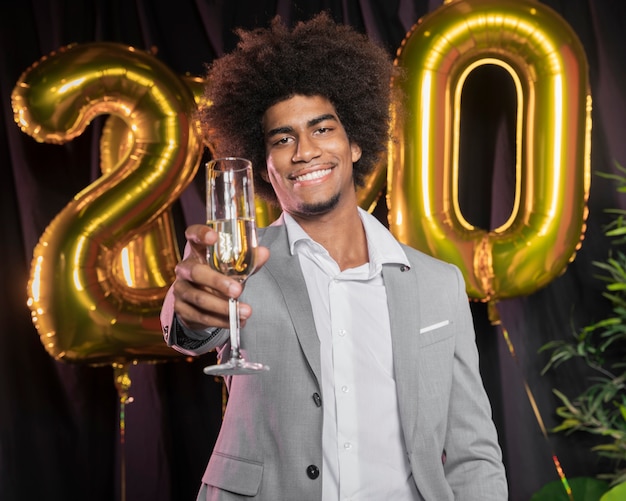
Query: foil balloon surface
(548, 66)
(102, 266)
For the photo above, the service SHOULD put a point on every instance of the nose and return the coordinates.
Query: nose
(306, 150)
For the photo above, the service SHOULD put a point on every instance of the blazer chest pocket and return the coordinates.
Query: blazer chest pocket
(435, 333)
(232, 474)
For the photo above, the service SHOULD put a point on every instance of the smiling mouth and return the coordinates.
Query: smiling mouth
(313, 175)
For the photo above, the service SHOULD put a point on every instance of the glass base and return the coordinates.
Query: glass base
(234, 367)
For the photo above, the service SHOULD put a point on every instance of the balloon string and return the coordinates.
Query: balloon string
(494, 317)
(122, 384)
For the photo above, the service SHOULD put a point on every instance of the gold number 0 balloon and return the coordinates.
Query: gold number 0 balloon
(93, 295)
(548, 65)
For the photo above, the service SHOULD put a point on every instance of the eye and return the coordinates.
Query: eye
(282, 141)
(323, 130)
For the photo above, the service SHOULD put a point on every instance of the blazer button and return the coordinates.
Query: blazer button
(317, 399)
(312, 471)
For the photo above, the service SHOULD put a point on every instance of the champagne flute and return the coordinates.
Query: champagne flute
(231, 213)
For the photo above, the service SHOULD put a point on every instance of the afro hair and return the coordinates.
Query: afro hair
(316, 57)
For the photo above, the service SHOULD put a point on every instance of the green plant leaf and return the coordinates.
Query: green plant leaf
(600, 408)
(622, 410)
(616, 232)
(617, 493)
(583, 489)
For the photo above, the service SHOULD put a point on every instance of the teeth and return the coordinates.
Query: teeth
(313, 175)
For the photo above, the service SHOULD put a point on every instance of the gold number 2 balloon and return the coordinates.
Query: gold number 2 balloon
(548, 66)
(103, 265)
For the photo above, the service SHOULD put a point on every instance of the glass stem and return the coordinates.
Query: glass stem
(233, 314)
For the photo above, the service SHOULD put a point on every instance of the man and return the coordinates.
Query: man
(374, 391)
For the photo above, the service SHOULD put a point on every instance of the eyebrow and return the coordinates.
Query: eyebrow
(311, 123)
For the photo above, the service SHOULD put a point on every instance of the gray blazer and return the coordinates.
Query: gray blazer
(270, 443)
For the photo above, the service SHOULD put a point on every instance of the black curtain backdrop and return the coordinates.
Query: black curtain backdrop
(59, 437)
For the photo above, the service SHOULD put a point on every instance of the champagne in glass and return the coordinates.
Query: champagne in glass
(233, 253)
(231, 213)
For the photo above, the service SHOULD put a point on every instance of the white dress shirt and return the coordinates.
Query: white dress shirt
(364, 454)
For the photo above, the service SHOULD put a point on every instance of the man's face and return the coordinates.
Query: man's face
(309, 157)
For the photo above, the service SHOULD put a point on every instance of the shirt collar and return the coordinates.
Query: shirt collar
(383, 248)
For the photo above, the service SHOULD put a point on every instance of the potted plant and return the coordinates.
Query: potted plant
(600, 409)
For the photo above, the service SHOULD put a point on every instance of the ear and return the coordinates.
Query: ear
(356, 152)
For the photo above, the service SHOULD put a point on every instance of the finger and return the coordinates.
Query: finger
(200, 308)
(197, 320)
(196, 305)
(203, 276)
(199, 236)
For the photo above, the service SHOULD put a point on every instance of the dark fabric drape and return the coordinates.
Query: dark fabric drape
(59, 430)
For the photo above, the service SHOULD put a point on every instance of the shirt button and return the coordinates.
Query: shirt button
(342, 332)
(312, 471)
(345, 389)
(347, 446)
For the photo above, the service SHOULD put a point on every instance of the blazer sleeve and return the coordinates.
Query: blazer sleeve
(473, 459)
(183, 339)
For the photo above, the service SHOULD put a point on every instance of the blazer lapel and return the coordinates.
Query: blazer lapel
(404, 317)
(286, 271)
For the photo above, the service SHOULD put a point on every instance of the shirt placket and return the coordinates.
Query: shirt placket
(345, 390)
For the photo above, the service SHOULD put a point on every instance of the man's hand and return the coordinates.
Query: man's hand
(200, 292)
